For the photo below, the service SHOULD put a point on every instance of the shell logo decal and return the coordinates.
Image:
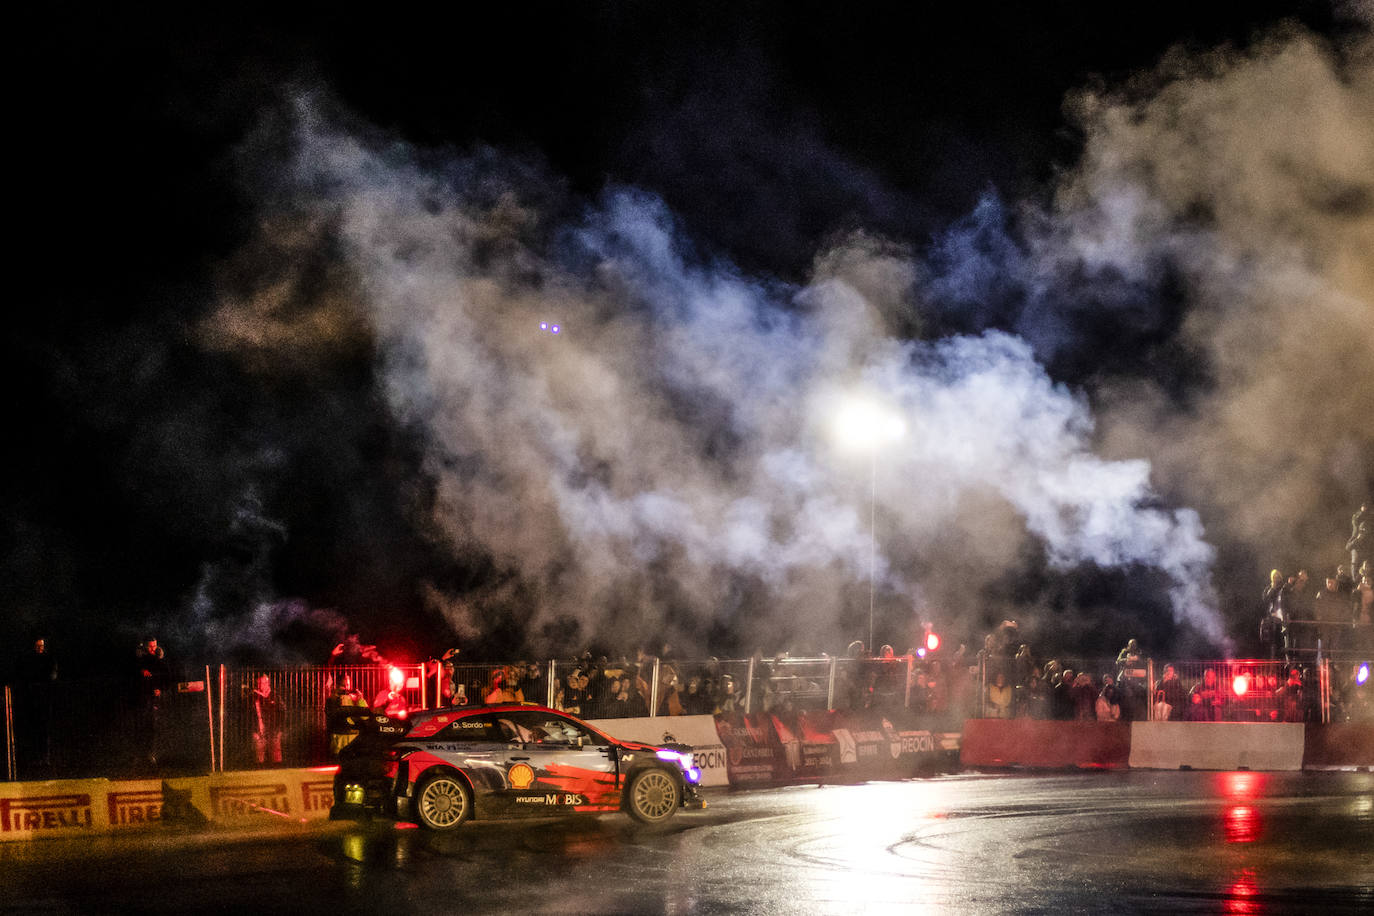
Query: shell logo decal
(521, 776)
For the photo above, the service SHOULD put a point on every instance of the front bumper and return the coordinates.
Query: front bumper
(691, 798)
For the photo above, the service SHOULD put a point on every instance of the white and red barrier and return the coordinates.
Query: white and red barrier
(1039, 744)
(738, 750)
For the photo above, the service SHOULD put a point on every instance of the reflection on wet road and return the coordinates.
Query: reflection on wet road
(1136, 841)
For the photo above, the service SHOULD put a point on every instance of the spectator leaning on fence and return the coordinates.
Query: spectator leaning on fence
(504, 688)
(1169, 689)
(1000, 697)
(1205, 699)
(266, 720)
(1108, 704)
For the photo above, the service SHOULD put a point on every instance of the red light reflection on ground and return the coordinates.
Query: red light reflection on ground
(1240, 896)
(406, 825)
(1241, 821)
(1242, 824)
(1242, 784)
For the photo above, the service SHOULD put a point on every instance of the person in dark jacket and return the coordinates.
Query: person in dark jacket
(37, 680)
(1170, 689)
(152, 677)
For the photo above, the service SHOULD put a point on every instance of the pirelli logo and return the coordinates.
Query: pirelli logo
(45, 812)
(135, 808)
(317, 795)
(257, 798)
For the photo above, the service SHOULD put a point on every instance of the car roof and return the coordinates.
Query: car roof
(428, 721)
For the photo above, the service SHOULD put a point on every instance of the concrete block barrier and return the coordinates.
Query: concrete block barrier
(1216, 745)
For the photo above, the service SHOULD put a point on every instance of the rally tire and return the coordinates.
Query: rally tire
(442, 802)
(653, 796)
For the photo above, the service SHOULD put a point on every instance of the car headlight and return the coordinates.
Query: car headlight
(353, 794)
(682, 760)
(685, 761)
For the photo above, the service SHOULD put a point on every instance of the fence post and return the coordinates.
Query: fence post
(1149, 690)
(830, 691)
(424, 688)
(982, 685)
(653, 693)
(749, 688)
(210, 715)
(222, 675)
(906, 698)
(1324, 685)
(11, 764)
(551, 682)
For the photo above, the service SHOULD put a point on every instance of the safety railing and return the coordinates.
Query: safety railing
(217, 721)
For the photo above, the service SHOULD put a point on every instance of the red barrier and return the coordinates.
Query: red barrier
(1046, 744)
(800, 747)
(1344, 744)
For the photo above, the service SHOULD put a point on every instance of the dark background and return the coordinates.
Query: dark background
(892, 117)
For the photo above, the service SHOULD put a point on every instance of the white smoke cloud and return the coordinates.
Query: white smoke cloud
(1252, 176)
(669, 451)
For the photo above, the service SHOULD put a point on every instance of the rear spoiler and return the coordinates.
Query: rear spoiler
(365, 720)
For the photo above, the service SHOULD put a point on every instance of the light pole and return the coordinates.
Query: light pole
(863, 424)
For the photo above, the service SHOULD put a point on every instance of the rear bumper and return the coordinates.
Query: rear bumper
(346, 812)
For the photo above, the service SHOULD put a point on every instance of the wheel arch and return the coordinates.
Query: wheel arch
(444, 769)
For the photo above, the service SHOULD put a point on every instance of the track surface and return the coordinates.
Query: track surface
(1083, 843)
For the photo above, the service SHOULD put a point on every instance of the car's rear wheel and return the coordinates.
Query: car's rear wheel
(654, 796)
(442, 802)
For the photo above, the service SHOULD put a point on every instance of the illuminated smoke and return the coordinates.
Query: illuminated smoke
(663, 462)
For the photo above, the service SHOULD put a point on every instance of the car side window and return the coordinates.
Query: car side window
(548, 728)
(473, 728)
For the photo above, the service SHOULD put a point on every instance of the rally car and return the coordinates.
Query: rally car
(440, 767)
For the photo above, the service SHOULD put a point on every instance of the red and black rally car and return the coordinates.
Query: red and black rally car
(440, 767)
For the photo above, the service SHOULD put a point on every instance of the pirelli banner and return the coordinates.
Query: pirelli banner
(81, 807)
(773, 749)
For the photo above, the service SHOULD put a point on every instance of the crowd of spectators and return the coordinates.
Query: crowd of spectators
(1018, 685)
(1295, 615)
(1003, 679)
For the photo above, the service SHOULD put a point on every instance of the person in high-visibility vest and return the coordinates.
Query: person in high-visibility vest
(342, 698)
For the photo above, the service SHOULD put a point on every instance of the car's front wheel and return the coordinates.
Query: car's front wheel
(654, 796)
(442, 802)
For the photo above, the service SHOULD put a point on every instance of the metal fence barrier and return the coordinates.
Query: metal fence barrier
(95, 727)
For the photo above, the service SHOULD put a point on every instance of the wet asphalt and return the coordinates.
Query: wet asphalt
(1108, 842)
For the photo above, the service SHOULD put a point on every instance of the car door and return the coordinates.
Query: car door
(478, 746)
(554, 762)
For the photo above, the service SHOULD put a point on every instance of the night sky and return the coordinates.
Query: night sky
(279, 372)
